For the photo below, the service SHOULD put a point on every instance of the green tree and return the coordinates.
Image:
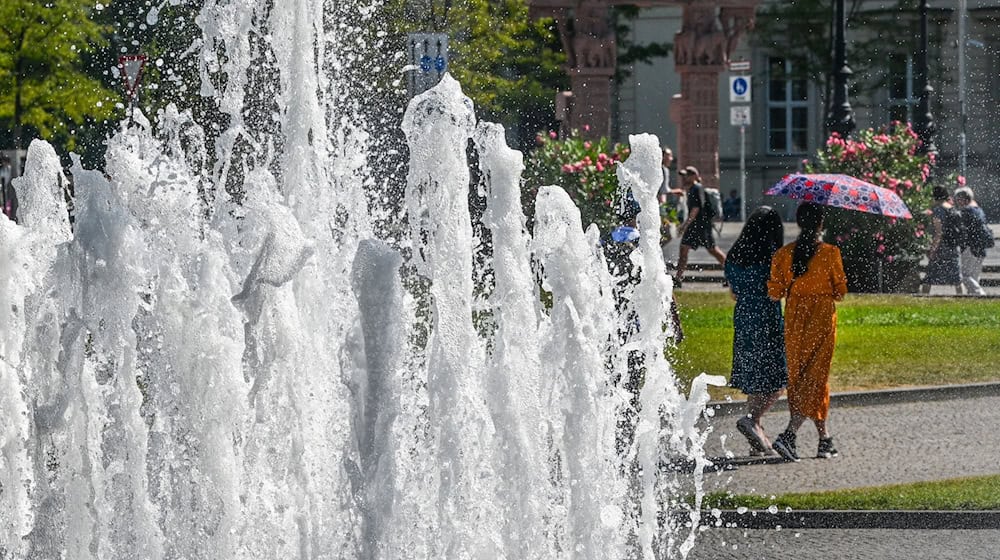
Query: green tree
(508, 64)
(44, 89)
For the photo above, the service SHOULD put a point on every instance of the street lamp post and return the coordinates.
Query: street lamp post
(924, 120)
(962, 137)
(840, 119)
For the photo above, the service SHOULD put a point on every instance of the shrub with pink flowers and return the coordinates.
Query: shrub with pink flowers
(584, 168)
(877, 250)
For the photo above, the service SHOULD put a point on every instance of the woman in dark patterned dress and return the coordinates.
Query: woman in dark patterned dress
(759, 367)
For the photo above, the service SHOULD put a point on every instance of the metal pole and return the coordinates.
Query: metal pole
(841, 116)
(962, 140)
(743, 173)
(924, 121)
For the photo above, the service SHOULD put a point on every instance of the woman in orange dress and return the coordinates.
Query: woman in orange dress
(809, 275)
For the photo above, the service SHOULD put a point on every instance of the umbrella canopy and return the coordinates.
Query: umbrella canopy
(841, 191)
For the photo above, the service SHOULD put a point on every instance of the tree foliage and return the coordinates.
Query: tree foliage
(888, 157)
(508, 64)
(44, 90)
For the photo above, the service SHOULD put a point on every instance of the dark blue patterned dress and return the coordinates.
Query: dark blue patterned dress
(759, 365)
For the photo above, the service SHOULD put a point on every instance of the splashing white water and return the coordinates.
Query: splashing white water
(188, 375)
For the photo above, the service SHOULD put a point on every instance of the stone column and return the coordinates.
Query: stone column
(695, 112)
(591, 104)
(702, 48)
(591, 54)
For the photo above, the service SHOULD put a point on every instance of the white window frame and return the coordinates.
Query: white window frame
(787, 105)
(912, 99)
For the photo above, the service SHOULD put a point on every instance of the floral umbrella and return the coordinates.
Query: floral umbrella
(841, 191)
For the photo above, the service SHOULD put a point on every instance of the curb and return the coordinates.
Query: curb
(851, 519)
(880, 397)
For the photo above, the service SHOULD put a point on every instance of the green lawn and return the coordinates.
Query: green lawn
(882, 340)
(977, 493)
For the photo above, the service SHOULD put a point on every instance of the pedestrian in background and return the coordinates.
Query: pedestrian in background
(696, 231)
(943, 266)
(809, 275)
(759, 367)
(978, 238)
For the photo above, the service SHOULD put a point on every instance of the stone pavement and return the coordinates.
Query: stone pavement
(886, 441)
(879, 444)
(826, 544)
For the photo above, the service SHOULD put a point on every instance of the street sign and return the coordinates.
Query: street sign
(739, 66)
(739, 115)
(739, 89)
(131, 66)
(428, 53)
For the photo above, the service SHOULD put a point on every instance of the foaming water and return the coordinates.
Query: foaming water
(187, 375)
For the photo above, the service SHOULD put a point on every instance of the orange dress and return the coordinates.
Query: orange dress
(810, 324)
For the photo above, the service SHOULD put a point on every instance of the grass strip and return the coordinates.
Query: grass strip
(882, 341)
(959, 494)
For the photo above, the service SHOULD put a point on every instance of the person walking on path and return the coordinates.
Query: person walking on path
(696, 231)
(759, 367)
(978, 238)
(809, 275)
(943, 266)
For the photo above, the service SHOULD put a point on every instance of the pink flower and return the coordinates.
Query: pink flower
(908, 184)
(567, 168)
(880, 249)
(586, 128)
(553, 135)
(893, 182)
(961, 180)
(890, 258)
(600, 167)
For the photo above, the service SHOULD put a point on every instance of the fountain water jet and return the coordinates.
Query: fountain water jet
(188, 376)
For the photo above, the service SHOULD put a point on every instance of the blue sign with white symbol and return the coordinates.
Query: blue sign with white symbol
(739, 89)
(425, 63)
(740, 86)
(440, 64)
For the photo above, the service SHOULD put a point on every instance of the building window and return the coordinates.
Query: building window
(787, 109)
(903, 98)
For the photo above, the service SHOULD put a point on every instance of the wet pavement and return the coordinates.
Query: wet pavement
(879, 444)
(826, 544)
(883, 442)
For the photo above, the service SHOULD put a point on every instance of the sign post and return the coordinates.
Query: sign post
(130, 66)
(428, 56)
(739, 115)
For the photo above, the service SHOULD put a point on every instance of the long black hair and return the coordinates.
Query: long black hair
(762, 235)
(810, 219)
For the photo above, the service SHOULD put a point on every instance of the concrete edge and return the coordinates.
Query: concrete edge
(849, 519)
(879, 397)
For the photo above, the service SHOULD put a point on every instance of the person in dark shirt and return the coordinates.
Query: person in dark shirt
(696, 231)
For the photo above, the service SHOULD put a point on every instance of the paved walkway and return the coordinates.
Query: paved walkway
(824, 544)
(879, 444)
